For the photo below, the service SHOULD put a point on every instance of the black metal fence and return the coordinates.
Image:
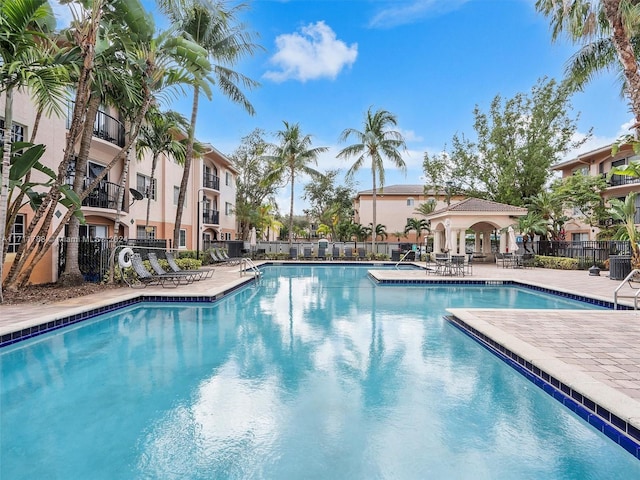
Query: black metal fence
(587, 253)
(93, 254)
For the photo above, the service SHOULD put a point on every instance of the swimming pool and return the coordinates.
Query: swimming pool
(314, 373)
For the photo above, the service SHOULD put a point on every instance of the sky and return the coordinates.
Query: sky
(324, 63)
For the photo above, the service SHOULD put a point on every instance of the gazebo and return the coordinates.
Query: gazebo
(483, 217)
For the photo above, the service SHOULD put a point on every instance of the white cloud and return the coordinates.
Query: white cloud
(62, 13)
(410, 135)
(401, 13)
(313, 53)
(596, 142)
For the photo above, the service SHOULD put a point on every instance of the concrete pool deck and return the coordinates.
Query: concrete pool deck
(596, 353)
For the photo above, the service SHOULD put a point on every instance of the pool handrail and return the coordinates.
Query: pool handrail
(628, 279)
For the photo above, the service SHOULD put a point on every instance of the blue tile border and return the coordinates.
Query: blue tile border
(617, 429)
(507, 283)
(26, 333)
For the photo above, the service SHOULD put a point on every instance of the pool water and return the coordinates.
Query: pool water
(316, 373)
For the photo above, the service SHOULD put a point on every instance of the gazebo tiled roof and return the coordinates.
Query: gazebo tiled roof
(480, 205)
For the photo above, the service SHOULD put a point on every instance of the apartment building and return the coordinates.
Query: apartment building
(395, 204)
(599, 162)
(208, 210)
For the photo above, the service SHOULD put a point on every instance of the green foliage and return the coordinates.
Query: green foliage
(328, 199)
(516, 143)
(558, 263)
(582, 193)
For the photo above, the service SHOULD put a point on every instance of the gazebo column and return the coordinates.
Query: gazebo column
(477, 247)
(486, 241)
(462, 245)
(437, 241)
(503, 242)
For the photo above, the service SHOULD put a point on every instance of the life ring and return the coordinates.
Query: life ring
(124, 257)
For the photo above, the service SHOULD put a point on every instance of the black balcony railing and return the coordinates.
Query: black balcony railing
(211, 217)
(105, 195)
(104, 126)
(211, 181)
(617, 180)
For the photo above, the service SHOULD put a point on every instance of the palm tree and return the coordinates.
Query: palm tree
(290, 157)
(530, 225)
(604, 19)
(376, 142)
(625, 212)
(213, 26)
(380, 231)
(418, 225)
(426, 208)
(24, 63)
(158, 136)
(360, 233)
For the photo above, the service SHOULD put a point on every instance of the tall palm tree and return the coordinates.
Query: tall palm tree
(24, 62)
(375, 142)
(292, 156)
(612, 19)
(159, 136)
(213, 25)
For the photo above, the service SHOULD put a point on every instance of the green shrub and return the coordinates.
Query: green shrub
(559, 263)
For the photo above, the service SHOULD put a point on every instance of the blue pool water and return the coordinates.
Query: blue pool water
(317, 373)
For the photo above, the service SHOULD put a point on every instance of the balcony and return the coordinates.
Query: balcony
(618, 180)
(210, 181)
(211, 217)
(105, 126)
(105, 195)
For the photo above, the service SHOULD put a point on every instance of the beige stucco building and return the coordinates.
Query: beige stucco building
(211, 192)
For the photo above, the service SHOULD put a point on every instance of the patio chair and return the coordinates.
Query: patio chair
(322, 253)
(155, 264)
(528, 260)
(348, 253)
(335, 254)
(457, 265)
(147, 278)
(203, 272)
(293, 253)
(306, 253)
(362, 254)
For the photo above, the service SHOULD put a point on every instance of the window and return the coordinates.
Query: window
(579, 237)
(182, 239)
(93, 170)
(145, 186)
(176, 194)
(17, 129)
(228, 208)
(17, 233)
(93, 231)
(228, 179)
(581, 171)
(141, 232)
(410, 202)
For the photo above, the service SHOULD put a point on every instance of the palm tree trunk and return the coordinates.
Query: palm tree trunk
(291, 210)
(627, 57)
(72, 275)
(373, 205)
(154, 164)
(184, 184)
(4, 191)
(115, 238)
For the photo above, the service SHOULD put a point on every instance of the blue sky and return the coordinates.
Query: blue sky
(430, 62)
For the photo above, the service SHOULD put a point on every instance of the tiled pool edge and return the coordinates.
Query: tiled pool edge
(440, 281)
(64, 321)
(620, 431)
